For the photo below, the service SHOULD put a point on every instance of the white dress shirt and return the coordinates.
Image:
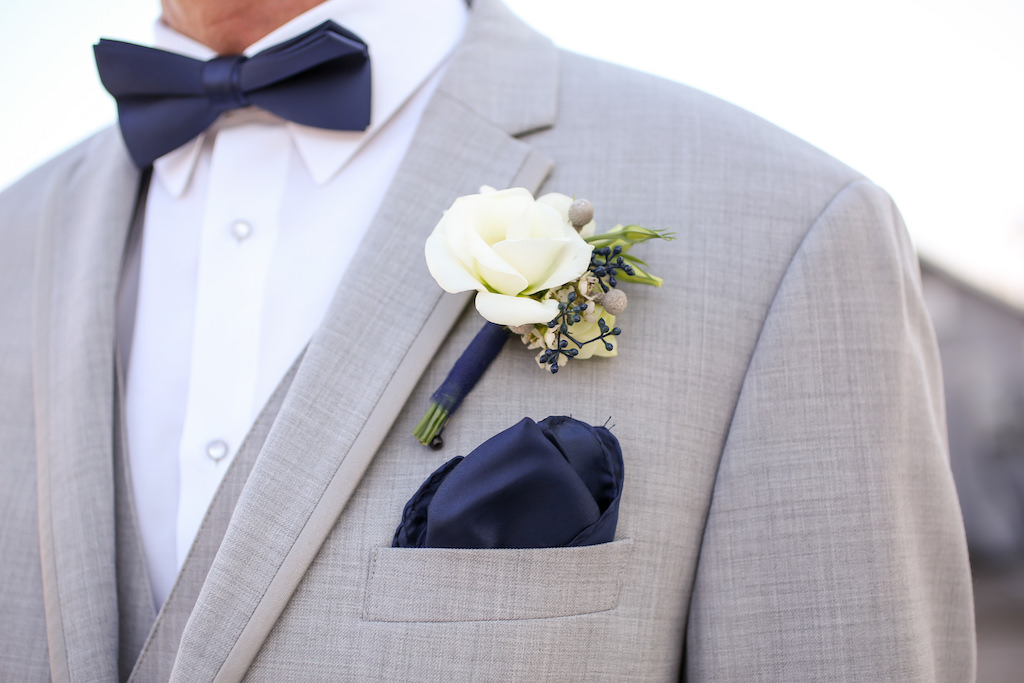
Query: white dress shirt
(248, 230)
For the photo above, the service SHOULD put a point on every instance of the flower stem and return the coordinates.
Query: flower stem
(431, 424)
(460, 381)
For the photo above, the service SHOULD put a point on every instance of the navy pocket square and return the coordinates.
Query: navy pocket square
(535, 485)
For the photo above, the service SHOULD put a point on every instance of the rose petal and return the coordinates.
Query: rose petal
(482, 217)
(449, 272)
(572, 263)
(535, 259)
(495, 272)
(456, 225)
(539, 222)
(515, 310)
(559, 202)
(495, 211)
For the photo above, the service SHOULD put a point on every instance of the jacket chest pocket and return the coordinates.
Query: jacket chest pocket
(456, 584)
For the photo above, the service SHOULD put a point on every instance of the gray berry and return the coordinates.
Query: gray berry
(614, 301)
(581, 212)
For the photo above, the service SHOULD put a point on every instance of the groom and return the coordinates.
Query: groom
(213, 356)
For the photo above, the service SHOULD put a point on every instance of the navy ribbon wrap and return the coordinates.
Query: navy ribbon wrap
(555, 483)
(461, 379)
(477, 357)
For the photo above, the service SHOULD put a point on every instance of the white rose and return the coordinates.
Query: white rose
(507, 246)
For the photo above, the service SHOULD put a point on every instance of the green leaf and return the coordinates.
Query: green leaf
(640, 275)
(628, 235)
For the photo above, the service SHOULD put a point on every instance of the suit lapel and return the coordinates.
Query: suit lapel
(387, 319)
(77, 274)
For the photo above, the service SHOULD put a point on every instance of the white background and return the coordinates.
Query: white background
(924, 96)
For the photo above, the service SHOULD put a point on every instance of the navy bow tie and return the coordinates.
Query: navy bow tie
(320, 78)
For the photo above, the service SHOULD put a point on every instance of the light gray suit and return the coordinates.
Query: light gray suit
(788, 511)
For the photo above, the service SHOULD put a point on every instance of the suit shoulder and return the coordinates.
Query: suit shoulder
(684, 116)
(25, 207)
(675, 156)
(25, 195)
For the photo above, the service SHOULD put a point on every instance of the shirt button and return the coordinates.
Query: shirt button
(241, 230)
(216, 450)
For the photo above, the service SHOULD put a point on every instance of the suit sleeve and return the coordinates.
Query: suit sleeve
(834, 547)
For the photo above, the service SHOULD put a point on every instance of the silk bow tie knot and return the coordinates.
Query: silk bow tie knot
(221, 82)
(320, 78)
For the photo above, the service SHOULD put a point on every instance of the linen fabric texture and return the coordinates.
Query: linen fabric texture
(789, 512)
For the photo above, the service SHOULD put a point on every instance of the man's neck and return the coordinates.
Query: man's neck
(229, 26)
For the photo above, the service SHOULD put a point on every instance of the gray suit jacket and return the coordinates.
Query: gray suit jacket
(788, 511)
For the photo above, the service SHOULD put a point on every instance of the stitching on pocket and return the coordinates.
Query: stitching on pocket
(383, 602)
(365, 616)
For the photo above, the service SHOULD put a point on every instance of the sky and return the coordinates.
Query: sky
(926, 97)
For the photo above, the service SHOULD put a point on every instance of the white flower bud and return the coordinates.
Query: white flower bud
(520, 329)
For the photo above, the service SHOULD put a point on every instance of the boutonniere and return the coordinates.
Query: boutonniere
(540, 273)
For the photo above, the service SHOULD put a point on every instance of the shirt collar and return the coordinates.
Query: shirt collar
(408, 41)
